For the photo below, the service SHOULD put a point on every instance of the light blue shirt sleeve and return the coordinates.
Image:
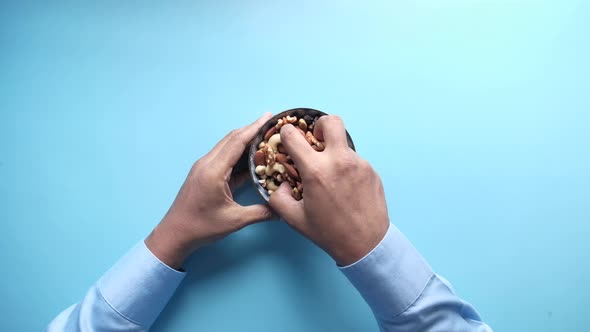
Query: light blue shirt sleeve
(405, 294)
(129, 297)
(394, 279)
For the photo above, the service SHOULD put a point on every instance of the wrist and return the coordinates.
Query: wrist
(168, 245)
(358, 247)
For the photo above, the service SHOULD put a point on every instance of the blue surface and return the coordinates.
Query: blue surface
(475, 113)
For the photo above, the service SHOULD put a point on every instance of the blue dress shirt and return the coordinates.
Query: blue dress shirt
(394, 279)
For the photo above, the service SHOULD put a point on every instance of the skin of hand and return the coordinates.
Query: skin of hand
(343, 210)
(204, 209)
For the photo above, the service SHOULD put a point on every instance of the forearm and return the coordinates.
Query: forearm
(405, 294)
(129, 297)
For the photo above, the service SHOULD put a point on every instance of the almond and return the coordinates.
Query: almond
(270, 132)
(291, 170)
(259, 158)
(302, 124)
(281, 158)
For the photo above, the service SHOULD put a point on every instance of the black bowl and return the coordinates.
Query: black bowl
(299, 113)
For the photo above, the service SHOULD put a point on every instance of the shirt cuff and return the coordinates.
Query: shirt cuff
(392, 276)
(139, 285)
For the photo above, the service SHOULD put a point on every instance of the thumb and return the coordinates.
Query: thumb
(287, 207)
(254, 213)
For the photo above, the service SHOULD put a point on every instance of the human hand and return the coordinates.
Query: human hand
(343, 210)
(204, 209)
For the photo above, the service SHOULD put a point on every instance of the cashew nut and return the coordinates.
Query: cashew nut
(302, 124)
(279, 124)
(291, 119)
(276, 167)
(260, 169)
(274, 141)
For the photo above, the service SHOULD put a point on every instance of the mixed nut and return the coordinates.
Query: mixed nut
(273, 164)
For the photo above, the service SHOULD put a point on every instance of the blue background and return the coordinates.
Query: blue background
(475, 113)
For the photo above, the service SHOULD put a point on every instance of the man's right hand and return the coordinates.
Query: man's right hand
(343, 210)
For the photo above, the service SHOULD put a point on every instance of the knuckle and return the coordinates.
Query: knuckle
(198, 164)
(200, 167)
(335, 118)
(236, 134)
(365, 166)
(352, 165)
(348, 162)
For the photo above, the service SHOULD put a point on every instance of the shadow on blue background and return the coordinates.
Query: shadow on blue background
(276, 238)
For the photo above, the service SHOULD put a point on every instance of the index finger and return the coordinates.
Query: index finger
(297, 147)
(330, 129)
(236, 141)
